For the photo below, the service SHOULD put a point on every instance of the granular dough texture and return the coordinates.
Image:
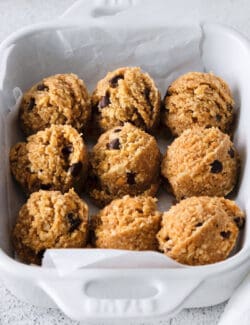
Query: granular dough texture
(59, 99)
(129, 223)
(126, 95)
(125, 160)
(198, 99)
(200, 230)
(50, 219)
(201, 162)
(53, 159)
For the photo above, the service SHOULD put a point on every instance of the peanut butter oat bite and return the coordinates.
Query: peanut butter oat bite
(59, 99)
(126, 95)
(53, 159)
(198, 99)
(201, 162)
(128, 223)
(50, 219)
(200, 230)
(125, 160)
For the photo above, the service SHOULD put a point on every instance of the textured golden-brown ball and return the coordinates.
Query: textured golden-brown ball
(58, 99)
(198, 99)
(52, 159)
(125, 160)
(50, 219)
(128, 223)
(201, 162)
(200, 230)
(126, 95)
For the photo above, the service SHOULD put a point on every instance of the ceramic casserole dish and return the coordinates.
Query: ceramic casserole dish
(111, 294)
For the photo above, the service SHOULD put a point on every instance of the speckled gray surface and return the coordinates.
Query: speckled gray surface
(15, 14)
(15, 312)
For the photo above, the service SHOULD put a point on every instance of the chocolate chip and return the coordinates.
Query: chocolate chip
(114, 81)
(195, 119)
(218, 117)
(45, 186)
(40, 254)
(114, 144)
(240, 222)
(32, 103)
(67, 150)
(131, 178)
(231, 152)
(139, 210)
(225, 234)
(216, 167)
(75, 169)
(104, 101)
(199, 224)
(74, 222)
(95, 109)
(117, 130)
(42, 87)
(147, 95)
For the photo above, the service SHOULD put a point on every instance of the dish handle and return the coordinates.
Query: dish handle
(103, 296)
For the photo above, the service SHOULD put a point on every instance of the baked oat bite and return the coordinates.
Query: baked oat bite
(58, 99)
(128, 223)
(201, 162)
(50, 219)
(198, 99)
(200, 230)
(126, 95)
(125, 160)
(53, 159)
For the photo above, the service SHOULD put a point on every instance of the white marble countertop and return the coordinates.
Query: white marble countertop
(15, 14)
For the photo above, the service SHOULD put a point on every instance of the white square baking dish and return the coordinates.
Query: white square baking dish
(111, 294)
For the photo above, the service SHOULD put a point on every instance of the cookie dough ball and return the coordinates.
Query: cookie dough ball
(126, 95)
(129, 223)
(125, 160)
(198, 99)
(50, 219)
(200, 230)
(52, 159)
(201, 162)
(59, 99)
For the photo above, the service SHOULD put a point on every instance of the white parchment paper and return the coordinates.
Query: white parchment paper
(69, 260)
